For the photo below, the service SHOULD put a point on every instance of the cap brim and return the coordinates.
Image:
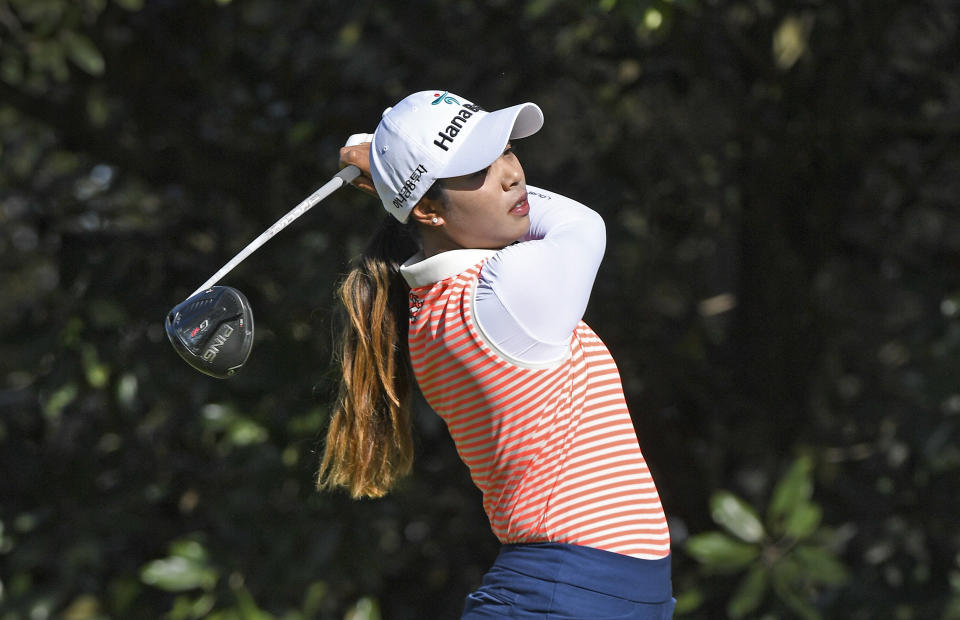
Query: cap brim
(487, 139)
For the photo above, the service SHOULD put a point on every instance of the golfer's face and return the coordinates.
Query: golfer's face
(487, 209)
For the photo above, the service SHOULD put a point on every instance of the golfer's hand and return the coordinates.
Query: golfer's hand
(358, 154)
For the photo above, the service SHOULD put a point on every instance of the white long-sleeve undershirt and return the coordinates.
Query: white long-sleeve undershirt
(531, 294)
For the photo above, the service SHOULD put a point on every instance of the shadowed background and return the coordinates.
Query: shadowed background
(780, 182)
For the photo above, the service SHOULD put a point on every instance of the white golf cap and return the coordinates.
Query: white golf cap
(434, 135)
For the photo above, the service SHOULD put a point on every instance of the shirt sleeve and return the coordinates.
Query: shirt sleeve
(532, 294)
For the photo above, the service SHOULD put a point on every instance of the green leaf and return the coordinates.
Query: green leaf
(59, 399)
(47, 56)
(186, 568)
(34, 12)
(537, 8)
(366, 608)
(97, 373)
(186, 607)
(177, 575)
(803, 520)
(952, 610)
(245, 432)
(190, 549)
(238, 430)
(123, 592)
(688, 601)
(314, 597)
(130, 5)
(301, 132)
(83, 53)
(749, 593)
(820, 566)
(792, 490)
(247, 608)
(736, 516)
(719, 552)
(11, 69)
(786, 578)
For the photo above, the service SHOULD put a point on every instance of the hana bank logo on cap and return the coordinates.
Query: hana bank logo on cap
(456, 124)
(435, 134)
(445, 98)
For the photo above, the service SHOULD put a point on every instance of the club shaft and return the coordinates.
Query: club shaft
(341, 178)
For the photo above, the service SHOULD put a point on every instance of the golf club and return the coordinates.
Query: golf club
(212, 330)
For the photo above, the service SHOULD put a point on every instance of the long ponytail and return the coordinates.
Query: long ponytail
(369, 444)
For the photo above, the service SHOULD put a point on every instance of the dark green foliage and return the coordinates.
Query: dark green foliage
(780, 182)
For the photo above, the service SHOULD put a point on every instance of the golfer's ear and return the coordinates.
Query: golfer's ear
(426, 210)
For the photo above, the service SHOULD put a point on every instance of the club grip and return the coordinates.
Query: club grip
(348, 174)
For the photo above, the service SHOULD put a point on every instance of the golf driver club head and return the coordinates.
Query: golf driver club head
(213, 330)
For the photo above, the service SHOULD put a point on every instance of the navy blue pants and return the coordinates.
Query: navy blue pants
(552, 581)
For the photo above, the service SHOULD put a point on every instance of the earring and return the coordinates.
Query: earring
(435, 220)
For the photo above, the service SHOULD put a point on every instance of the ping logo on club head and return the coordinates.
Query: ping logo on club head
(217, 343)
(445, 98)
(202, 327)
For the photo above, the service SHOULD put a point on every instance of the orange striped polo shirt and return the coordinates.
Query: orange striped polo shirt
(552, 449)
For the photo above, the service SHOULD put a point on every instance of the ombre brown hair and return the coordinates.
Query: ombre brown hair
(369, 445)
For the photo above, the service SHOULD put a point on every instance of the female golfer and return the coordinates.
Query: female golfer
(474, 288)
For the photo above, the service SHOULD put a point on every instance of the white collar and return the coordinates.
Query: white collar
(419, 271)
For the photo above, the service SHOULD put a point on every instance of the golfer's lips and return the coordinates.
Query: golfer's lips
(522, 207)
